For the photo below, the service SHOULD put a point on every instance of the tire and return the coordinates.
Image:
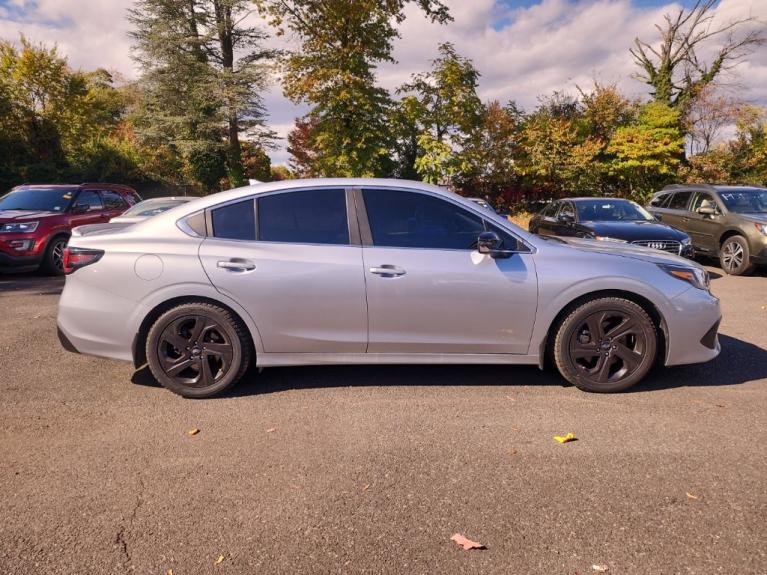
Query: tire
(621, 354)
(189, 337)
(734, 256)
(53, 259)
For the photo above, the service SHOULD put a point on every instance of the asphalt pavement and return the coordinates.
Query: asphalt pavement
(373, 469)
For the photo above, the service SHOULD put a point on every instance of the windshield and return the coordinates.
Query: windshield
(153, 207)
(611, 211)
(745, 201)
(38, 199)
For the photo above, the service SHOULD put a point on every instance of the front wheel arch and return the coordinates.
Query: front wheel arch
(139, 340)
(547, 345)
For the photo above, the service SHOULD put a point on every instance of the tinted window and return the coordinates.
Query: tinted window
(304, 217)
(113, 200)
(658, 200)
(611, 210)
(508, 242)
(90, 199)
(235, 221)
(745, 200)
(679, 201)
(550, 210)
(414, 220)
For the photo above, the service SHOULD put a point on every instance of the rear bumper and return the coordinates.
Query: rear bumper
(760, 257)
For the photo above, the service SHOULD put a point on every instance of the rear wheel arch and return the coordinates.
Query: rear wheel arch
(139, 340)
(727, 234)
(547, 346)
(46, 265)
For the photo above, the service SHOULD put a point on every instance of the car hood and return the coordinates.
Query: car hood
(634, 231)
(627, 250)
(96, 229)
(24, 215)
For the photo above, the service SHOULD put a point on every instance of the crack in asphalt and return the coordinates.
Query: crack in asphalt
(120, 537)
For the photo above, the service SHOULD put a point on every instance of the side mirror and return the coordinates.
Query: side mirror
(80, 208)
(566, 219)
(706, 211)
(489, 243)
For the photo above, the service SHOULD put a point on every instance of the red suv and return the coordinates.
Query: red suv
(35, 221)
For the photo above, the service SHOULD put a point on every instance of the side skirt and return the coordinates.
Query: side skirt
(287, 359)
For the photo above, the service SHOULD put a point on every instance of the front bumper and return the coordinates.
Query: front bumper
(19, 263)
(692, 328)
(687, 251)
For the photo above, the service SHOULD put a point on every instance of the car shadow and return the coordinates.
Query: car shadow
(740, 362)
(32, 282)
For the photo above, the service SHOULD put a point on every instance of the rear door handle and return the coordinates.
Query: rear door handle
(387, 271)
(236, 266)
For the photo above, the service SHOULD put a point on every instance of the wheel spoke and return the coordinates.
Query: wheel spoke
(180, 365)
(581, 350)
(206, 376)
(603, 368)
(630, 358)
(594, 324)
(176, 340)
(627, 326)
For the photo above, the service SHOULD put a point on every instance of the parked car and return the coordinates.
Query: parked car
(609, 219)
(367, 271)
(728, 222)
(149, 208)
(484, 203)
(36, 221)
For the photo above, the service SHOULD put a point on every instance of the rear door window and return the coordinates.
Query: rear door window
(679, 201)
(234, 221)
(91, 199)
(304, 217)
(113, 200)
(659, 200)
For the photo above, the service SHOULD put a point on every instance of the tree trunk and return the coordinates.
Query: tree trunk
(234, 167)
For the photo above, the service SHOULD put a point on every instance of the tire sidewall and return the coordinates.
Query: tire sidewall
(224, 321)
(48, 266)
(566, 365)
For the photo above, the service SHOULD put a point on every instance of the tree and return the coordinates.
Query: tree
(334, 70)
(675, 70)
(445, 110)
(303, 154)
(647, 153)
(707, 114)
(202, 77)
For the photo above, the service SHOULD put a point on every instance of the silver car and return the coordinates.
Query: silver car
(365, 271)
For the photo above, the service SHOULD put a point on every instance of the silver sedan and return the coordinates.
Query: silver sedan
(365, 271)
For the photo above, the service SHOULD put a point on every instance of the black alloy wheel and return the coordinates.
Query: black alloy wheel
(605, 345)
(198, 350)
(53, 261)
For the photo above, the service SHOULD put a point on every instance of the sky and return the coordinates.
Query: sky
(522, 48)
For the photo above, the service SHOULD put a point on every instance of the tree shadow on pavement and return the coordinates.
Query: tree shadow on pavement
(739, 362)
(42, 285)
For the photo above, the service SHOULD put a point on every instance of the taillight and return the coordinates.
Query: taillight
(76, 258)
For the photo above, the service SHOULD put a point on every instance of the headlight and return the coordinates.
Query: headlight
(696, 277)
(19, 228)
(762, 228)
(686, 241)
(608, 239)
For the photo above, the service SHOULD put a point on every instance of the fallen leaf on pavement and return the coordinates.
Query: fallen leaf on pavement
(512, 451)
(366, 487)
(565, 438)
(271, 430)
(194, 431)
(170, 572)
(691, 496)
(600, 568)
(219, 560)
(466, 543)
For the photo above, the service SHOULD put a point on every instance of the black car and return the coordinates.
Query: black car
(609, 219)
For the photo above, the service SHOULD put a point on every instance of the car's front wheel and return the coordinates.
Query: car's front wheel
(734, 256)
(605, 345)
(198, 349)
(53, 259)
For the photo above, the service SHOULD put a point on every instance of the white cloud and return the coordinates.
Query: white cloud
(522, 53)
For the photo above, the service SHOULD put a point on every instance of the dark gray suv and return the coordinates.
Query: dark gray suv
(729, 222)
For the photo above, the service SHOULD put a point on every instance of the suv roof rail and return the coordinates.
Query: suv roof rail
(124, 186)
(671, 187)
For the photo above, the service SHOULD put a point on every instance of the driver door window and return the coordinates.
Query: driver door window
(90, 199)
(414, 220)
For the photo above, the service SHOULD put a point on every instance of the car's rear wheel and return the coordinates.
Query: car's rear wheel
(605, 345)
(734, 256)
(198, 349)
(53, 260)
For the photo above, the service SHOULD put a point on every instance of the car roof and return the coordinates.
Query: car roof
(122, 187)
(592, 198)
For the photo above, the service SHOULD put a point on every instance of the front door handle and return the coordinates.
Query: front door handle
(387, 271)
(236, 266)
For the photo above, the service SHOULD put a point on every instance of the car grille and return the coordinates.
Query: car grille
(669, 246)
